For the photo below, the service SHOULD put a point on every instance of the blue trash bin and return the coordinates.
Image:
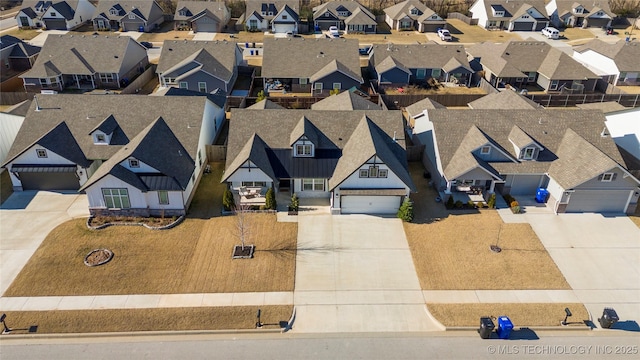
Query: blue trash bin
(251, 51)
(141, 28)
(504, 327)
(542, 195)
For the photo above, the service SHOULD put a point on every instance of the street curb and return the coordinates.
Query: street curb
(537, 328)
(137, 333)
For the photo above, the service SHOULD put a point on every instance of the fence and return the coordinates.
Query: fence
(465, 19)
(216, 153)
(12, 98)
(414, 153)
(140, 81)
(486, 86)
(569, 100)
(13, 84)
(395, 102)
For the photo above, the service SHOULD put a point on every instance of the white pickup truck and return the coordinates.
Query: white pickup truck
(444, 34)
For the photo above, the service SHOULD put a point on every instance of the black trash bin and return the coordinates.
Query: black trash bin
(609, 317)
(486, 327)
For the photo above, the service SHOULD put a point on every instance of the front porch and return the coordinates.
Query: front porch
(250, 196)
(476, 195)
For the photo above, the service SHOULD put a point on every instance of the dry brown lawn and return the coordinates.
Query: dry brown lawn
(574, 36)
(157, 319)
(396, 37)
(464, 33)
(522, 315)
(636, 217)
(26, 34)
(451, 250)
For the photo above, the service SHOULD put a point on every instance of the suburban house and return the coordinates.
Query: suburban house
(413, 15)
(346, 100)
(624, 128)
(522, 64)
(616, 63)
(108, 147)
(346, 15)
(419, 64)
(571, 13)
(199, 65)
(54, 15)
(10, 123)
(474, 153)
(354, 159)
(277, 16)
(201, 16)
(419, 109)
(314, 66)
(131, 15)
(86, 62)
(504, 100)
(16, 55)
(512, 15)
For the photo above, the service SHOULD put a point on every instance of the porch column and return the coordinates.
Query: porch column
(75, 76)
(59, 78)
(448, 191)
(492, 187)
(118, 80)
(93, 84)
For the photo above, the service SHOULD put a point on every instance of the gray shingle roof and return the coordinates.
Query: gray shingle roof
(124, 7)
(20, 48)
(547, 128)
(274, 5)
(274, 128)
(171, 160)
(218, 58)
(304, 58)
(504, 100)
(81, 54)
(424, 104)
(66, 8)
(217, 8)
(402, 9)
(566, 6)
(421, 56)
(360, 17)
(346, 100)
(133, 113)
(605, 107)
(266, 104)
(332, 7)
(625, 54)
(512, 7)
(512, 59)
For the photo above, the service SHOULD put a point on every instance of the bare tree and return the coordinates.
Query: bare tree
(243, 224)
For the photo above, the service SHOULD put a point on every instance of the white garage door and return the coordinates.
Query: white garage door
(598, 201)
(370, 204)
(283, 28)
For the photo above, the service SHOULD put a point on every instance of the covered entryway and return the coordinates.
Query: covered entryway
(47, 177)
(522, 26)
(355, 204)
(612, 201)
(55, 24)
(527, 184)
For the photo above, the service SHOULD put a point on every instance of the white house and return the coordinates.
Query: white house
(54, 15)
(616, 63)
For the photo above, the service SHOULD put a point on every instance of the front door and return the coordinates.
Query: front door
(24, 21)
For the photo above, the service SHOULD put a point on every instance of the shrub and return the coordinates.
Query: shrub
(295, 203)
(515, 209)
(261, 96)
(479, 204)
(228, 201)
(405, 212)
(471, 204)
(334, 92)
(492, 201)
(449, 203)
(458, 204)
(270, 199)
(514, 203)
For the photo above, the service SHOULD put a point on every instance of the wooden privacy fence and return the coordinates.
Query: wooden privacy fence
(414, 153)
(395, 102)
(216, 153)
(140, 81)
(465, 19)
(12, 98)
(571, 100)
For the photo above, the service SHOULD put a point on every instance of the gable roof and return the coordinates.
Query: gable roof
(133, 113)
(313, 57)
(20, 48)
(217, 9)
(403, 9)
(171, 160)
(273, 6)
(292, 13)
(80, 54)
(547, 128)
(218, 58)
(141, 8)
(513, 58)
(332, 129)
(346, 100)
(266, 104)
(360, 17)
(420, 56)
(504, 100)
(566, 7)
(625, 54)
(336, 6)
(60, 133)
(367, 141)
(424, 104)
(66, 8)
(513, 8)
(216, 96)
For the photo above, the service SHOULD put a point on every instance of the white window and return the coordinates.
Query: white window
(337, 86)
(106, 77)
(303, 81)
(169, 80)
(528, 153)
(284, 17)
(42, 153)
(485, 150)
(163, 197)
(202, 87)
(421, 73)
(436, 73)
(43, 82)
(184, 85)
(132, 16)
(554, 85)
(303, 150)
(254, 183)
(317, 86)
(134, 163)
(313, 184)
(116, 198)
(183, 13)
(382, 173)
(113, 12)
(101, 138)
(364, 173)
(415, 11)
(373, 171)
(607, 177)
(253, 24)
(532, 76)
(53, 14)
(492, 23)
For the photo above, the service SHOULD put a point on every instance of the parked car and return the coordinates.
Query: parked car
(146, 44)
(444, 35)
(551, 33)
(334, 32)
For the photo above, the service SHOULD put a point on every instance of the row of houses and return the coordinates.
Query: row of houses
(322, 65)
(145, 155)
(283, 16)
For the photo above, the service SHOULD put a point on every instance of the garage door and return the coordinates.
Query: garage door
(49, 181)
(526, 184)
(55, 24)
(598, 201)
(431, 27)
(324, 25)
(541, 25)
(522, 26)
(207, 25)
(370, 204)
(283, 28)
(598, 23)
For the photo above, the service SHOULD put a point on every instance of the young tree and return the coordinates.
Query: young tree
(270, 199)
(243, 224)
(406, 210)
(228, 201)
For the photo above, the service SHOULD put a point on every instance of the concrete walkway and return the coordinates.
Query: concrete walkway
(355, 273)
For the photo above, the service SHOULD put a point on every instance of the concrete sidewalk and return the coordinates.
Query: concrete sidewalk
(42, 303)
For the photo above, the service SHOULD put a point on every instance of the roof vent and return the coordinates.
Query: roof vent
(605, 132)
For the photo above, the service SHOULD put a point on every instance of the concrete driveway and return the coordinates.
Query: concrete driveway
(600, 258)
(25, 220)
(42, 37)
(355, 273)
